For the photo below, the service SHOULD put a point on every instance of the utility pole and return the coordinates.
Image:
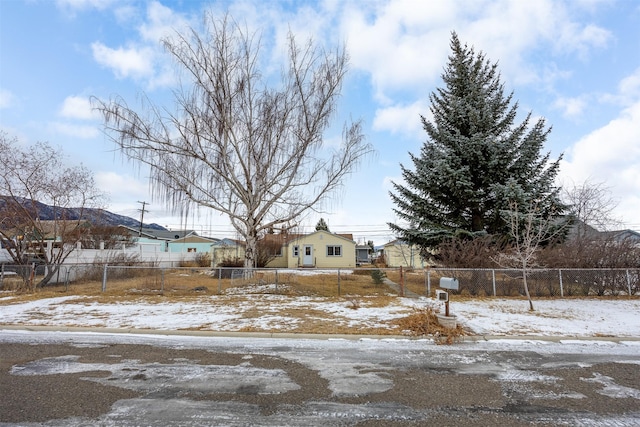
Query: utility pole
(142, 211)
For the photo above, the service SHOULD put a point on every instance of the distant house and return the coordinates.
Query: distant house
(50, 233)
(398, 253)
(191, 243)
(362, 254)
(226, 250)
(623, 236)
(152, 240)
(581, 230)
(320, 249)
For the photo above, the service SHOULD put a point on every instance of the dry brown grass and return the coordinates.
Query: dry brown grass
(423, 322)
(184, 285)
(414, 280)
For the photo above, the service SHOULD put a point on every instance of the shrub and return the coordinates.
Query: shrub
(95, 270)
(378, 276)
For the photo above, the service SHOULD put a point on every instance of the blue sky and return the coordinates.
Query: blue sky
(576, 63)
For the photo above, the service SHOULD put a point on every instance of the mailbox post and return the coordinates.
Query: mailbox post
(450, 283)
(444, 297)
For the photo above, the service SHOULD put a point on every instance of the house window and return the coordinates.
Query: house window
(192, 250)
(334, 250)
(296, 251)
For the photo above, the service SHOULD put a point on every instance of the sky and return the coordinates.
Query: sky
(575, 63)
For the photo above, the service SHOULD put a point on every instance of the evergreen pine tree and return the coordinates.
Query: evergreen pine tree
(475, 161)
(322, 225)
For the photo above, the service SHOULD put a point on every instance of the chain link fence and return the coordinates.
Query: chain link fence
(541, 282)
(329, 282)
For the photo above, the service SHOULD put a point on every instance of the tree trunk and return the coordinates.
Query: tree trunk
(526, 286)
(250, 250)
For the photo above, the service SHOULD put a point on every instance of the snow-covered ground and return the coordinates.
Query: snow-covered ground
(278, 313)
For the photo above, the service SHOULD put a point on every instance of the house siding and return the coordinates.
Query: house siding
(402, 255)
(191, 244)
(319, 241)
(222, 252)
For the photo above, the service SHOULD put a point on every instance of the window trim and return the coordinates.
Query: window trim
(331, 250)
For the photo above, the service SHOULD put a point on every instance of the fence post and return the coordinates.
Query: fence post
(338, 282)
(66, 279)
(428, 278)
(276, 281)
(628, 282)
(32, 275)
(561, 286)
(219, 280)
(493, 280)
(104, 278)
(401, 282)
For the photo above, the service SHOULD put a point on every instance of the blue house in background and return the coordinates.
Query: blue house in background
(191, 243)
(175, 241)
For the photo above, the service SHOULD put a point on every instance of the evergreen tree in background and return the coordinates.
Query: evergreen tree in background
(476, 160)
(322, 225)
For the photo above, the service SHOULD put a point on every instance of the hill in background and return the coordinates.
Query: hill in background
(95, 216)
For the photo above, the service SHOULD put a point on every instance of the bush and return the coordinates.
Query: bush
(96, 270)
(202, 259)
(378, 276)
(231, 262)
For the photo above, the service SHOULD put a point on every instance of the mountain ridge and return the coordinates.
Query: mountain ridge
(94, 215)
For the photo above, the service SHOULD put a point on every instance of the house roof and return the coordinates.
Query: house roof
(285, 238)
(51, 229)
(194, 239)
(348, 237)
(581, 229)
(394, 243)
(226, 242)
(620, 235)
(152, 233)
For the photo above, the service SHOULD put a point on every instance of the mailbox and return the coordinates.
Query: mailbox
(449, 283)
(442, 295)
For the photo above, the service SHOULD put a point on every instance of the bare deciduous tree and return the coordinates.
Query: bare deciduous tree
(591, 205)
(107, 237)
(460, 252)
(530, 228)
(590, 244)
(236, 142)
(32, 179)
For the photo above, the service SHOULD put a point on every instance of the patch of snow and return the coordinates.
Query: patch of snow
(564, 318)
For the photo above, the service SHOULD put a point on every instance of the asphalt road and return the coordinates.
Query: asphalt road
(85, 379)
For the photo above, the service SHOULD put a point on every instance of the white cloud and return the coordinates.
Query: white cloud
(161, 22)
(144, 59)
(402, 119)
(6, 98)
(404, 44)
(135, 62)
(582, 39)
(611, 154)
(73, 5)
(124, 189)
(628, 90)
(571, 107)
(630, 85)
(78, 131)
(77, 107)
